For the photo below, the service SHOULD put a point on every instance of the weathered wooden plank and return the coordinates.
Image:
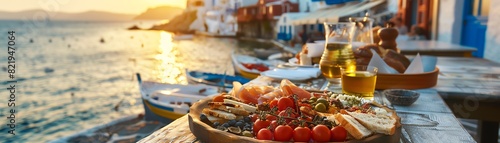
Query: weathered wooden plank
(420, 128)
(429, 101)
(175, 132)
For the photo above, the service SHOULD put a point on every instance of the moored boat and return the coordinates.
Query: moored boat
(167, 102)
(221, 80)
(251, 67)
(247, 66)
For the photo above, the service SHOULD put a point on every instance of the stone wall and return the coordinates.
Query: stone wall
(492, 45)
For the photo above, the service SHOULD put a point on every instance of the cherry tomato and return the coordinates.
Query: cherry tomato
(301, 134)
(339, 134)
(283, 133)
(321, 133)
(265, 134)
(259, 124)
(294, 124)
(270, 117)
(273, 103)
(284, 103)
(254, 117)
(218, 98)
(273, 125)
(285, 114)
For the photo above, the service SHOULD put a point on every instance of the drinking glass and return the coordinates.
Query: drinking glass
(363, 33)
(360, 81)
(338, 54)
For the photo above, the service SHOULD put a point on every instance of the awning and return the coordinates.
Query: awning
(333, 13)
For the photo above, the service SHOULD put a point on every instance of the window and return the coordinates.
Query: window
(481, 7)
(263, 10)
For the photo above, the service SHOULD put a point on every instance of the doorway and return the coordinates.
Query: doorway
(475, 19)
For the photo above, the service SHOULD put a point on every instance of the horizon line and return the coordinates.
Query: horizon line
(69, 12)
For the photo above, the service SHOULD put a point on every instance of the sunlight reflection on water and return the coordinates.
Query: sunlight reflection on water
(90, 78)
(169, 70)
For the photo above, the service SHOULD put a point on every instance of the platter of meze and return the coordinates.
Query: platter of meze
(261, 113)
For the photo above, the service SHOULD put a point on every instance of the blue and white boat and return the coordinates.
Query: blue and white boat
(167, 102)
(221, 80)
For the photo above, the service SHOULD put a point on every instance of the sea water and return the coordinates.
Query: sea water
(72, 75)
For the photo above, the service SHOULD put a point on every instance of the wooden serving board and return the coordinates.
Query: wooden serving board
(207, 134)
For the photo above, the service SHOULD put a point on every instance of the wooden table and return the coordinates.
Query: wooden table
(427, 120)
(471, 88)
(435, 48)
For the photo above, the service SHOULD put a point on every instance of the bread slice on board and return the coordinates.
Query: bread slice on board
(356, 129)
(376, 123)
(228, 107)
(220, 114)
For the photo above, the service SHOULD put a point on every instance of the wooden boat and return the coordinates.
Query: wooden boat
(251, 67)
(239, 62)
(221, 80)
(167, 102)
(158, 112)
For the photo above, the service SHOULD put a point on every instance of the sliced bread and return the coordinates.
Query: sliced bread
(214, 119)
(219, 113)
(377, 123)
(352, 126)
(228, 107)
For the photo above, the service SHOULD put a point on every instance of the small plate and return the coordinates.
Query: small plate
(295, 74)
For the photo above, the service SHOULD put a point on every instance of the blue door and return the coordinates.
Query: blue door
(475, 24)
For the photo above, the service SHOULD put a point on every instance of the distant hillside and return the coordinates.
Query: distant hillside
(179, 23)
(83, 16)
(162, 12)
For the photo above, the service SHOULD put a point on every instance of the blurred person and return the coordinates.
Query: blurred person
(398, 24)
(297, 38)
(416, 33)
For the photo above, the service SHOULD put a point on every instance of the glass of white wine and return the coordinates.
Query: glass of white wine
(338, 55)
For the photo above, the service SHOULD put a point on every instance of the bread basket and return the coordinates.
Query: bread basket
(407, 81)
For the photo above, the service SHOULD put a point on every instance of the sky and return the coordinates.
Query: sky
(116, 6)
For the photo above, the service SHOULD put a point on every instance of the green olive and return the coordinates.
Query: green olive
(323, 100)
(313, 99)
(320, 107)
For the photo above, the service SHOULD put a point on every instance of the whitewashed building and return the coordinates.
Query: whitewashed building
(465, 22)
(215, 17)
(317, 12)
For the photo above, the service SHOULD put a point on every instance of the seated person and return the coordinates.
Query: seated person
(416, 33)
(398, 24)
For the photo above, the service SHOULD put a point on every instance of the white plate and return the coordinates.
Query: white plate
(295, 74)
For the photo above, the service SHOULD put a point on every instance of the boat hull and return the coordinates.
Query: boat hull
(165, 112)
(242, 70)
(213, 79)
(246, 74)
(167, 102)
